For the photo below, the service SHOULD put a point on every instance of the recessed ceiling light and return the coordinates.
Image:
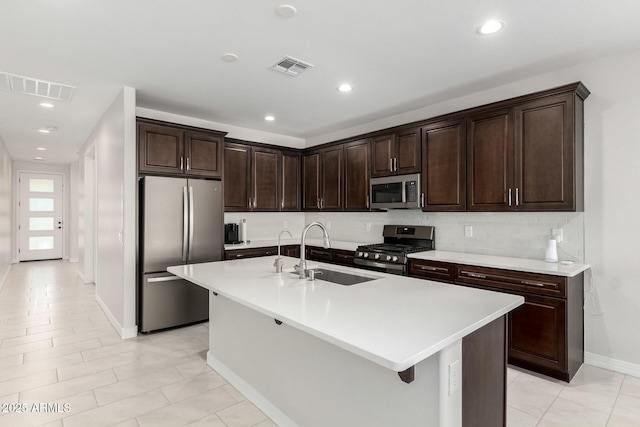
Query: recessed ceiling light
(286, 10)
(41, 149)
(46, 105)
(230, 57)
(48, 129)
(491, 27)
(38, 158)
(269, 118)
(345, 87)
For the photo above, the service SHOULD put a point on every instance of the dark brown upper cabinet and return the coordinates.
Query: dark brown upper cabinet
(164, 148)
(548, 156)
(323, 179)
(528, 155)
(252, 178)
(291, 189)
(444, 166)
(356, 175)
(396, 154)
(490, 161)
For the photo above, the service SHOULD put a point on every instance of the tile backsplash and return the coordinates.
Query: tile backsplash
(521, 234)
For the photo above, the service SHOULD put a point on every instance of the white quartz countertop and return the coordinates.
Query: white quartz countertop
(505, 263)
(335, 244)
(394, 321)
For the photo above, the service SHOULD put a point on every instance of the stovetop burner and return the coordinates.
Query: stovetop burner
(399, 241)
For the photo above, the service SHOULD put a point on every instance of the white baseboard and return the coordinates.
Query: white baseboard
(74, 260)
(125, 333)
(81, 276)
(615, 365)
(250, 393)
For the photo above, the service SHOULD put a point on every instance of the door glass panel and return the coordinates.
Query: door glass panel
(40, 243)
(41, 185)
(40, 224)
(40, 205)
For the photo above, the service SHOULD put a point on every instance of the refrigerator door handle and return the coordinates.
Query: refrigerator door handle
(190, 223)
(185, 223)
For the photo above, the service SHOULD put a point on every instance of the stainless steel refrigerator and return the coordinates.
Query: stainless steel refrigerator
(181, 222)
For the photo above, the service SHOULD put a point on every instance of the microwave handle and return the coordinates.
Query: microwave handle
(404, 192)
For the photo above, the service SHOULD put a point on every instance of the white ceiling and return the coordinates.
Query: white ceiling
(399, 55)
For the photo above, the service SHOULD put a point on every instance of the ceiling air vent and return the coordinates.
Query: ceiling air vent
(291, 66)
(36, 87)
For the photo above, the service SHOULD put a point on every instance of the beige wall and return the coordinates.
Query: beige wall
(112, 145)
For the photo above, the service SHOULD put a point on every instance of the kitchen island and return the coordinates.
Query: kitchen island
(388, 351)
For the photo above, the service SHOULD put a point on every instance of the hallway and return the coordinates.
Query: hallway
(57, 347)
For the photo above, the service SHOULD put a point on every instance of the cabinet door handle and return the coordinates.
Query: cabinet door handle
(181, 163)
(391, 164)
(517, 196)
(367, 201)
(322, 203)
(429, 268)
(188, 164)
(509, 197)
(476, 275)
(526, 282)
(282, 204)
(422, 200)
(395, 164)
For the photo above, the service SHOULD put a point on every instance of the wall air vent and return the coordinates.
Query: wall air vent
(291, 66)
(36, 87)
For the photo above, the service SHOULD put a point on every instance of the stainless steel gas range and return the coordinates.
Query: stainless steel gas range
(399, 241)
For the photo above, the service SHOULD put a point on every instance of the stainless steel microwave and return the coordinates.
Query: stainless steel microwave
(396, 192)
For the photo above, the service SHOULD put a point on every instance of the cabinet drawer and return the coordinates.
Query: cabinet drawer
(250, 253)
(433, 270)
(540, 284)
(339, 256)
(318, 254)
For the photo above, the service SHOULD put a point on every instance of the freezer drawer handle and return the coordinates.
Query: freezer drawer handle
(163, 279)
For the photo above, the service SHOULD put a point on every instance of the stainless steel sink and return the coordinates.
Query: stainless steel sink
(339, 277)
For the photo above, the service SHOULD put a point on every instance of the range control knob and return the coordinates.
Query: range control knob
(365, 255)
(394, 259)
(388, 257)
(377, 256)
(359, 254)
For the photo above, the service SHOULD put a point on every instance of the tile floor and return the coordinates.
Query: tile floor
(57, 347)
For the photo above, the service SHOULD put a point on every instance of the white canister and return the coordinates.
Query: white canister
(552, 251)
(243, 231)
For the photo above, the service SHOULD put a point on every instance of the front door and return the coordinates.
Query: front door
(40, 220)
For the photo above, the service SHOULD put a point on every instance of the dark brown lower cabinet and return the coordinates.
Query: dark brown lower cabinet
(484, 376)
(288, 250)
(546, 333)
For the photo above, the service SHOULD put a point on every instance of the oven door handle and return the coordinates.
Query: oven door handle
(379, 264)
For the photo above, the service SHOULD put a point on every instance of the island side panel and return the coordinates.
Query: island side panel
(484, 376)
(285, 371)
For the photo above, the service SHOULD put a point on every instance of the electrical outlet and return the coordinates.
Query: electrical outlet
(368, 226)
(556, 233)
(454, 377)
(468, 231)
(285, 224)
